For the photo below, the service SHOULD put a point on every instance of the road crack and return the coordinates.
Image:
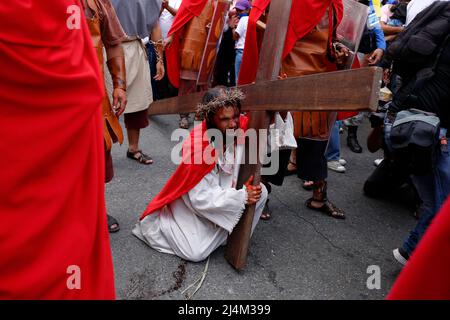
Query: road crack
(311, 224)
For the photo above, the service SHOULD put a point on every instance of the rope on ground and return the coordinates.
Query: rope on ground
(199, 281)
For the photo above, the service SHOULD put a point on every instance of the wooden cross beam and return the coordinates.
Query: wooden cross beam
(306, 93)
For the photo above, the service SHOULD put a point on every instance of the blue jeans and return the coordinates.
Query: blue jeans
(334, 145)
(237, 64)
(433, 189)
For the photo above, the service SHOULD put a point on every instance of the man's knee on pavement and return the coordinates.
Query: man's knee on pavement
(197, 255)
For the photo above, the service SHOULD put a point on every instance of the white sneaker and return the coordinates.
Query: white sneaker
(336, 166)
(342, 162)
(377, 162)
(401, 256)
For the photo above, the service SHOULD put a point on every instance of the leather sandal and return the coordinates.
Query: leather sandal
(327, 207)
(140, 157)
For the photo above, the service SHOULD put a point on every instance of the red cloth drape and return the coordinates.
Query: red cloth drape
(427, 273)
(305, 15)
(188, 9)
(52, 207)
(193, 168)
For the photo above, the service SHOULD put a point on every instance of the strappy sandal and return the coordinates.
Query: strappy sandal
(327, 207)
(141, 157)
(111, 222)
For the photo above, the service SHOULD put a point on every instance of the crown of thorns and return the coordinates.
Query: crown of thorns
(229, 97)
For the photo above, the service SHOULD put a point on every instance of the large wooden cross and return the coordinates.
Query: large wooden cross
(351, 90)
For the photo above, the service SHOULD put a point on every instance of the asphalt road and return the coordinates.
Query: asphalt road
(298, 254)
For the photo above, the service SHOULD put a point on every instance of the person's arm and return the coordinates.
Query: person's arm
(376, 56)
(236, 35)
(390, 30)
(166, 5)
(241, 28)
(116, 66)
(222, 206)
(112, 36)
(234, 22)
(260, 25)
(158, 43)
(379, 36)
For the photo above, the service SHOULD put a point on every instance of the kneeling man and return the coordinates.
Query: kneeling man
(200, 206)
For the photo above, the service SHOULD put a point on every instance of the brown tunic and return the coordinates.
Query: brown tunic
(194, 41)
(309, 56)
(111, 30)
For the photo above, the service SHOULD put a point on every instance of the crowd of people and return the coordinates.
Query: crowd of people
(147, 50)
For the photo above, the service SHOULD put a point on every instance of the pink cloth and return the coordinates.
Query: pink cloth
(386, 13)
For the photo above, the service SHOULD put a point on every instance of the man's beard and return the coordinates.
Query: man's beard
(229, 137)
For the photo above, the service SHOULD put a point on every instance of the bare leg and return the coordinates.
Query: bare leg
(133, 139)
(133, 147)
(292, 166)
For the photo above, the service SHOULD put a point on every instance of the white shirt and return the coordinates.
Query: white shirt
(241, 30)
(166, 18)
(417, 6)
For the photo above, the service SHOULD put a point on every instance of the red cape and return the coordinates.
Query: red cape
(193, 168)
(188, 9)
(427, 273)
(52, 207)
(305, 15)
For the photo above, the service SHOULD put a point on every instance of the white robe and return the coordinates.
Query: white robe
(197, 223)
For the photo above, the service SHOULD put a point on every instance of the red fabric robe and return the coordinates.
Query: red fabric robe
(188, 10)
(193, 168)
(305, 15)
(427, 273)
(52, 207)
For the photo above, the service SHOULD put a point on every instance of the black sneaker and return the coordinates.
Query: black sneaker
(401, 255)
